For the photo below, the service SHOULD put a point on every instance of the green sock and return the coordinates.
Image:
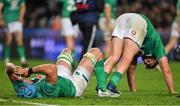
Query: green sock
(73, 53)
(116, 78)
(6, 51)
(100, 75)
(75, 62)
(21, 51)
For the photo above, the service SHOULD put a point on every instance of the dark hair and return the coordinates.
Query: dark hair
(150, 66)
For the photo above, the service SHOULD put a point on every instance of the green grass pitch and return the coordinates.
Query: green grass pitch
(152, 90)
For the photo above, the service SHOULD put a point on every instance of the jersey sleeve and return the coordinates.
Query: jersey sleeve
(159, 50)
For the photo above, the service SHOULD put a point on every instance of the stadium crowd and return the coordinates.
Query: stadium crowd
(45, 14)
(161, 12)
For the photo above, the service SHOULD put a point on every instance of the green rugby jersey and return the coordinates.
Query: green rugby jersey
(11, 9)
(63, 88)
(113, 5)
(67, 7)
(152, 44)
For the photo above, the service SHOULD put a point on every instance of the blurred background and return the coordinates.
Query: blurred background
(42, 29)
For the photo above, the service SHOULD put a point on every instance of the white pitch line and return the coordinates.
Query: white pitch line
(29, 103)
(3, 100)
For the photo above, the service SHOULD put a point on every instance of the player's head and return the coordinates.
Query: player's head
(26, 90)
(149, 61)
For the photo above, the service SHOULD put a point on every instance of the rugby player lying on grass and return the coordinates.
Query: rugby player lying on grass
(58, 81)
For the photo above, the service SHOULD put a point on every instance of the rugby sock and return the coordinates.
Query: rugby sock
(75, 61)
(21, 53)
(100, 75)
(6, 52)
(116, 78)
(73, 53)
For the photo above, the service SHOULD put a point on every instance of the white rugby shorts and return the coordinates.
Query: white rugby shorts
(79, 78)
(130, 25)
(14, 27)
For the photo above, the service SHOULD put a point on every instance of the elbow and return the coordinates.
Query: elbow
(51, 69)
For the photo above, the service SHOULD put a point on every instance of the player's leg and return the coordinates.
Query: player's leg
(64, 63)
(20, 45)
(70, 42)
(117, 47)
(118, 33)
(108, 47)
(7, 46)
(129, 51)
(133, 39)
(68, 32)
(85, 68)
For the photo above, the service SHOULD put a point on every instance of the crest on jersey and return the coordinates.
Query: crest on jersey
(133, 32)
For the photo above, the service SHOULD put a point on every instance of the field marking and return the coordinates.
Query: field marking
(3, 100)
(29, 103)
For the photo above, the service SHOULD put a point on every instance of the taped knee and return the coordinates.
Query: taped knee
(91, 57)
(66, 58)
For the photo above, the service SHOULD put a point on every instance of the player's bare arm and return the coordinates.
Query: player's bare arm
(163, 62)
(22, 12)
(171, 44)
(107, 11)
(48, 69)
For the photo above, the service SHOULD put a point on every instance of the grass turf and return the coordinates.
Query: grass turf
(151, 90)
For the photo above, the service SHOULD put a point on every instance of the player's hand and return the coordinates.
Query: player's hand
(173, 92)
(21, 71)
(158, 68)
(110, 26)
(1, 23)
(21, 20)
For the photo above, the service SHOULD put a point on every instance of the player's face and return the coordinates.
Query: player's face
(150, 62)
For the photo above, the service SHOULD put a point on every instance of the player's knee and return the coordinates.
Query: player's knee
(67, 50)
(8, 42)
(97, 52)
(126, 58)
(65, 56)
(114, 58)
(19, 43)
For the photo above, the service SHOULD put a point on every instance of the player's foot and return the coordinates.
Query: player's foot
(6, 60)
(101, 93)
(113, 91)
